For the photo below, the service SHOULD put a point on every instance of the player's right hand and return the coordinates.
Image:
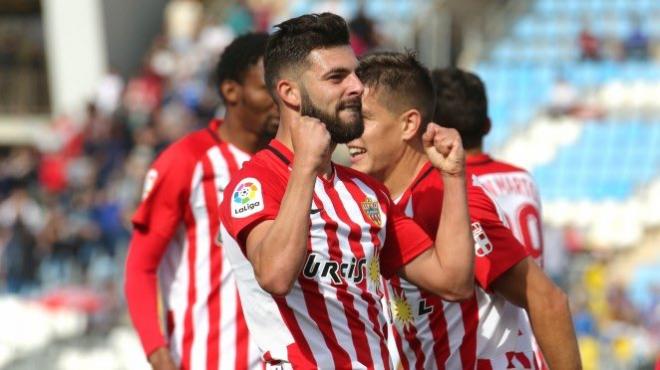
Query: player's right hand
(311, 143)
(161, 359)
(445, 150)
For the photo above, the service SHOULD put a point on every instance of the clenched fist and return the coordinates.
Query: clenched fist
(444, 148)
(311, 142)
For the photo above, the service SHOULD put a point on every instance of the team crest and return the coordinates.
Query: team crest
(482, 245)
(371, 208)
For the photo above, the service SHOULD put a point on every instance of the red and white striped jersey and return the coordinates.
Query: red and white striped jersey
(205, 327)
(333, 317)
(514, 191)
(478, 333)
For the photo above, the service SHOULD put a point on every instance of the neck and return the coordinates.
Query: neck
(233, 131)
(287, 119)
(398, 178)
(474, 151)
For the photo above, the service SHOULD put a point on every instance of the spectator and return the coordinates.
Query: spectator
(636, 45)
(590, 45)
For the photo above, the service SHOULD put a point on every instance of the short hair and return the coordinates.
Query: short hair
(241, 54)
(461, 103)
(405, 82)
(289, 46)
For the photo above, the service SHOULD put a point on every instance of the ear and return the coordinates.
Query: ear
(411, 121)
(487, 127)
(288, 92)
(231, 92)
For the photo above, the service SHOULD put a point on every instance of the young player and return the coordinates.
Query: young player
(309, 239)
(490, 330)
(177, 223)
(462, 104)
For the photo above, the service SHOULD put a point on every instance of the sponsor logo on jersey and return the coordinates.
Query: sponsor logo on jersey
(482, 245)
(338, 273)
(247, 199)
(149, 183)
(371, 208)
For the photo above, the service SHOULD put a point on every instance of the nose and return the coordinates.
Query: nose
(355, 86)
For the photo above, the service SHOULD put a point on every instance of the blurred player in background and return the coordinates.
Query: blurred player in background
(176, 228)
(462, 104)
(490, 330)
(308, 239)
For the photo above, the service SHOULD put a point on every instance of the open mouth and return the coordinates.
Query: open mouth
(356, 153)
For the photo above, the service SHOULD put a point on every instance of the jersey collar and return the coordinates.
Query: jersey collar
(213, 127)
(281, 151)
(477, 159)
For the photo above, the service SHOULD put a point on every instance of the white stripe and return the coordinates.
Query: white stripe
(173, 276)
(202, 273)
(254, 355)
(227, 289)
(373, 287)
(455, 333)
(220, 169)
(240, 156)
(228, 345)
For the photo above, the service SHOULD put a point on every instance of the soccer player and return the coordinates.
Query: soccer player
(309, 239)
(462, 104)
(176, 227)
(490, 330)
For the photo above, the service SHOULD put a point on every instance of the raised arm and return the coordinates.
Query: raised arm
(447, 269)
(277, 248)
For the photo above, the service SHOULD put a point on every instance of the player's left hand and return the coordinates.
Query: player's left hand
(444, 148)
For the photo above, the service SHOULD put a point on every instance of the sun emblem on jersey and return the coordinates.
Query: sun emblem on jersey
(245, 193)
(401, 310)
(371, 208)
(373, 271)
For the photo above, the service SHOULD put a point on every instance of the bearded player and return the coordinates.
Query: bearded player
(176, 226)
(309, 239)
(491, 329)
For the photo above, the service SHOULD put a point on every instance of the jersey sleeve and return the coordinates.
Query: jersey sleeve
(496, 248)
(251, 198)
(404, 241)
(165, 195)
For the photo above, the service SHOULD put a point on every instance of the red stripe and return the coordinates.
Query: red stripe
(356, 246)
(409, 333)
(355, 324)
(215, 255)
(242, 335)
(188, 331)
(470, 310)
(484, 365)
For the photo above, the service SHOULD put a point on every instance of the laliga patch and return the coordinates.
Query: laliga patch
(149, 182)
(482, 245)
(247, 198)
(371, 208)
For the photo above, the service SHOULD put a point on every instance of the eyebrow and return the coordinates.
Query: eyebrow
(342, 70)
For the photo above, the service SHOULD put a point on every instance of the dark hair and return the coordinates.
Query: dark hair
(289, 46)
(242, 53)
(461, 103)
(406, 81)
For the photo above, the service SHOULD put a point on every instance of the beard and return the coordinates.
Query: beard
(341, 131)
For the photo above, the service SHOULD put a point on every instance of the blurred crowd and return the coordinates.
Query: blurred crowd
(66, 203)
